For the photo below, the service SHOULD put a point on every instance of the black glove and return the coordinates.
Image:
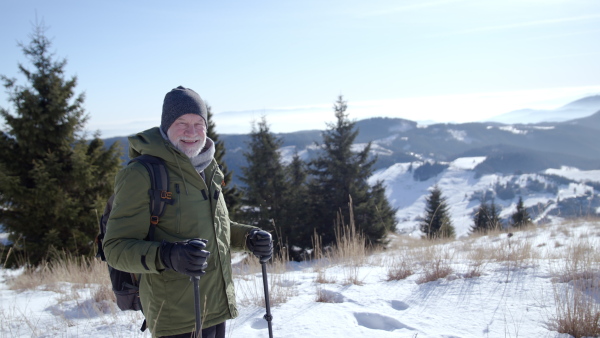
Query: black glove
(261, 244)
(187, 257)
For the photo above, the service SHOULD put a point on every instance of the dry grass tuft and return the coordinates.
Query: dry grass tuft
(577, 313)
(581, 262)
(439, 268)
(104, 293)
(323, 278)
(399, 267)
(350, 252)
(326, 296)
(577, 291)
(63, 268)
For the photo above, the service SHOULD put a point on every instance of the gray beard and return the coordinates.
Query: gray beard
(203, 158)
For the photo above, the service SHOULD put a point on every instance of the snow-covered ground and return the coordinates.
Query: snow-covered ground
(507, 292)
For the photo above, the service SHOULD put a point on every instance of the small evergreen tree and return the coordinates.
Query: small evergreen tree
(480, 219)
(53, 182)
(232, 195)
(521, 217)
(486, 218)
(339, 173)
(437, 223)
(266, 188)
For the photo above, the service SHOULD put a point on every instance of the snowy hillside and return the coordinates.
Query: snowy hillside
(463, 191)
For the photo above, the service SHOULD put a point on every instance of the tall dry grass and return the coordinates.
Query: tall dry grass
(249, 283)
(63, 268)
(349, 252)
(81, 272)
(577, 290)
(577, 310)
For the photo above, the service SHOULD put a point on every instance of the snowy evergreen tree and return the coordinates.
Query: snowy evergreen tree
(53, 181)
(437, 223)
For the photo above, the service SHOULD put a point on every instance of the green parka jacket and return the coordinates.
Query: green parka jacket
(199, 211)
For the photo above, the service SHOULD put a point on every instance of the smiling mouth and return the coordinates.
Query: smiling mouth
(190, 141)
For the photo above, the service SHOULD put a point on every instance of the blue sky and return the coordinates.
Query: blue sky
(426, 60)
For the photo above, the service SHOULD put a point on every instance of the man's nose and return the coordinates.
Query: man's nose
(194, 129)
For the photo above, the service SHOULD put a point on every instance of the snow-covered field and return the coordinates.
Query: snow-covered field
(492, 290)
(496, 286)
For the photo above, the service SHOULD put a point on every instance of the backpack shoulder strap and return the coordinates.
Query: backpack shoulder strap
(159, 188)
(102, 225)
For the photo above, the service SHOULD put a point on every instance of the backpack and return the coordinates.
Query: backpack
(125, 285)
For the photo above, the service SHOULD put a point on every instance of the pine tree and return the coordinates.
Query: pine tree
(53, 182)
(486, 218)
(294, 232)
(437, 223)
(340, 173)
(266, 189)
(521, 217)
(231, 193)
(480, 219)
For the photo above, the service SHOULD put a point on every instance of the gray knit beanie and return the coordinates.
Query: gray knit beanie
(178, 102)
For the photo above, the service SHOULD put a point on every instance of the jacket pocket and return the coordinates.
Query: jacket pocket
(170, 275)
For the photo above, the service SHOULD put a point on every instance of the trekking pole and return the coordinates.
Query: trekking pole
(196, 281)
(267, 316)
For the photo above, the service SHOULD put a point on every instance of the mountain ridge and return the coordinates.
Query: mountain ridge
(569, 143)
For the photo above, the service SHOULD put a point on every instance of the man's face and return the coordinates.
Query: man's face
(188, 134)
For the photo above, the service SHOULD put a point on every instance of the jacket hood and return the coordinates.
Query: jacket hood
(151, 142)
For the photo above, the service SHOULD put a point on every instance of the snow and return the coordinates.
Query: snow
(512, 129)
(481, 297)
(509, 298)
(4, 238)
(575, 174)
(460, 135)
(466, 163)
(376, 149)
(460, 187)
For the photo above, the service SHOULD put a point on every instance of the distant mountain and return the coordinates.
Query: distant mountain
(592, 121)
(525, 148)
(576, 109)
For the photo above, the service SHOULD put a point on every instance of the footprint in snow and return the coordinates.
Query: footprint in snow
(259, 324)
(376, 321)
(399, 305)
